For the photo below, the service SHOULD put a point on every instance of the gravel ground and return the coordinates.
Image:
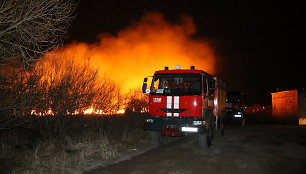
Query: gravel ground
(253, 149)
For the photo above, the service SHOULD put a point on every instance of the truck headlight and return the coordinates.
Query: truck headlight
(196, 123)
(189, 129)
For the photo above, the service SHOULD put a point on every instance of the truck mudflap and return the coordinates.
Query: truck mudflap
(171, 126)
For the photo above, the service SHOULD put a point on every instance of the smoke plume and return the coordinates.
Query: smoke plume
(145, 46)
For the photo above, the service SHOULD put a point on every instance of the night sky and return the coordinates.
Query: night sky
(260, 45)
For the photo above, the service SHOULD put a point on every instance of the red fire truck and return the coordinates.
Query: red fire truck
(185, 101)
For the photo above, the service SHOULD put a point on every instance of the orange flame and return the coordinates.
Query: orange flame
(146, 46)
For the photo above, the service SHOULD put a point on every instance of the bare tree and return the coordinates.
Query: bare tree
(29, 28)
(69, 85)
(106, 96)
(21, 93)
(136, 101)
(72, 86)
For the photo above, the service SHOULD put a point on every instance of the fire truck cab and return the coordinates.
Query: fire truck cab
(185, 101)
(235, 107)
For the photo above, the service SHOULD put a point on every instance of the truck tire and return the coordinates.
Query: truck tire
(205, 140)
(155, 138)
(212, 127)
(202, 140)
(243, 122)
(222, 124)
(209, 135)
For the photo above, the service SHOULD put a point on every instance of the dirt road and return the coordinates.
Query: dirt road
(249, 150)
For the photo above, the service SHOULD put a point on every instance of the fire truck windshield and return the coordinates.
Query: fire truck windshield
(176, 84)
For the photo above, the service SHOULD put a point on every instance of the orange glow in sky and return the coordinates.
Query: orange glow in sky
(145, 46)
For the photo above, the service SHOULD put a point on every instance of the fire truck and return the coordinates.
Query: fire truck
(235, 107)
(184, 102)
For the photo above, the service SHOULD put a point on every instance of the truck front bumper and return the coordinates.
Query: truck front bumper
(182, 124)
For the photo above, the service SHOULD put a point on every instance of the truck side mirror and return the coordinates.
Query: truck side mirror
(144, 85)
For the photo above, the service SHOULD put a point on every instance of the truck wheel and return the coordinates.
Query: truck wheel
(209, 136)
(243, 122)
(205, 139)
(155, 138)
(202, 140)
(212, 127)
(222, 122)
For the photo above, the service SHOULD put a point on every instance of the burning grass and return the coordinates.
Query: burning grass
(82, 141)
(58, 140)
(82, 76)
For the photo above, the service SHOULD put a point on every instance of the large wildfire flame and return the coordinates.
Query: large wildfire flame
(146, 46)
(135, 52)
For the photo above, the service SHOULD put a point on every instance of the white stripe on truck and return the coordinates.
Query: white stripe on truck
(169, 104)
(176, 105)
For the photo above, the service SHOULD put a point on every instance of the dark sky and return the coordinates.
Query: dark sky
(261, 45)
